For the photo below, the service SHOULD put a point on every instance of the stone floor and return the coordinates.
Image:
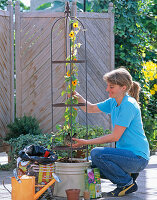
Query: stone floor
(147, 183)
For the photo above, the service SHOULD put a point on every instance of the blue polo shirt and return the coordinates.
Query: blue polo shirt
(128, 114)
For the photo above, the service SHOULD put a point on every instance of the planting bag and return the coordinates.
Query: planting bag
(45, 173)
(93, 182)
(42, 173)
(38, 154)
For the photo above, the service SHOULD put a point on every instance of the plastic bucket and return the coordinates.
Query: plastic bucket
(72, 176)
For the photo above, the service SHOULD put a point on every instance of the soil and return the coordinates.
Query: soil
(68, 160)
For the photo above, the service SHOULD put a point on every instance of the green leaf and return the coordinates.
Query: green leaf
(63, 92)
(58, 127)
(67, 78)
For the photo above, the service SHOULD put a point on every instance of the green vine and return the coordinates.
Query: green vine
(71, 80)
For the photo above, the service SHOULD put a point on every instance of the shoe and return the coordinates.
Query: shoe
(121, 191)
(134, 176)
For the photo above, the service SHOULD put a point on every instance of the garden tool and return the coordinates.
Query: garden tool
(23, 188)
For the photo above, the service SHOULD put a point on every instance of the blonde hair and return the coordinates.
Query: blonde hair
(135, 90)
(122, 77)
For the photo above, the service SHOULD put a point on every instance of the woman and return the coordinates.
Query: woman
(122, 164)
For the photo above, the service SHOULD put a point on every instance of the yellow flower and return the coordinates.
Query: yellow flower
(68, 73)
(155, 86)
(151, 78)
(74, 82)
(148, 68)
(145, 86)
(75, 25)
(72, 34)
(151, 74)
(145, 73)
(149, 71)
(143, 55)
(152, 92)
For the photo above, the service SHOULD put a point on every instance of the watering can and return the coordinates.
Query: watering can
(24, 188)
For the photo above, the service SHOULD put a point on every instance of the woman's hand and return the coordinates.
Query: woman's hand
(73, 94)
(91, 108)
(80, 142)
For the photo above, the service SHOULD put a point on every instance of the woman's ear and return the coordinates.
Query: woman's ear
(124, 88)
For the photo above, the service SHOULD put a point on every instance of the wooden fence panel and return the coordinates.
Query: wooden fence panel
(100, 59)
(33, 64)
(6, 69)
(33, 46)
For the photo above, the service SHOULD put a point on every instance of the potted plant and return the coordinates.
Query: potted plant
(71, 171)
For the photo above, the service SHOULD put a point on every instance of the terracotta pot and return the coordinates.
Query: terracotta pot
(86, 195)
(73, 194)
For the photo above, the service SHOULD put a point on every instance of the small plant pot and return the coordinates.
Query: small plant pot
(86, 195)
(73, 194)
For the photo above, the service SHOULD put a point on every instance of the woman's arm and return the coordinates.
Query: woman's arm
(113, 137)
(91, 108)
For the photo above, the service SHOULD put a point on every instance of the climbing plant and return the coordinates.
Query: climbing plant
(71, 79)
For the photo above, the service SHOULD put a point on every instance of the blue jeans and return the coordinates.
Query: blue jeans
(116, 164)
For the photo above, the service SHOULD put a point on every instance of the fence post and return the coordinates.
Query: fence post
(111, 34)
(17, 53)
(11, 50)
(73, 9)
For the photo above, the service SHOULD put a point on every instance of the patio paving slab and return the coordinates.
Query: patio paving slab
(147, 183)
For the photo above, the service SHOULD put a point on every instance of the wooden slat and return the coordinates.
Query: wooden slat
(18, 61)
(93, 15)
(41, 14)
(4, 13)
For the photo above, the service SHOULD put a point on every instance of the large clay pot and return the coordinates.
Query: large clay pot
(73, 194)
